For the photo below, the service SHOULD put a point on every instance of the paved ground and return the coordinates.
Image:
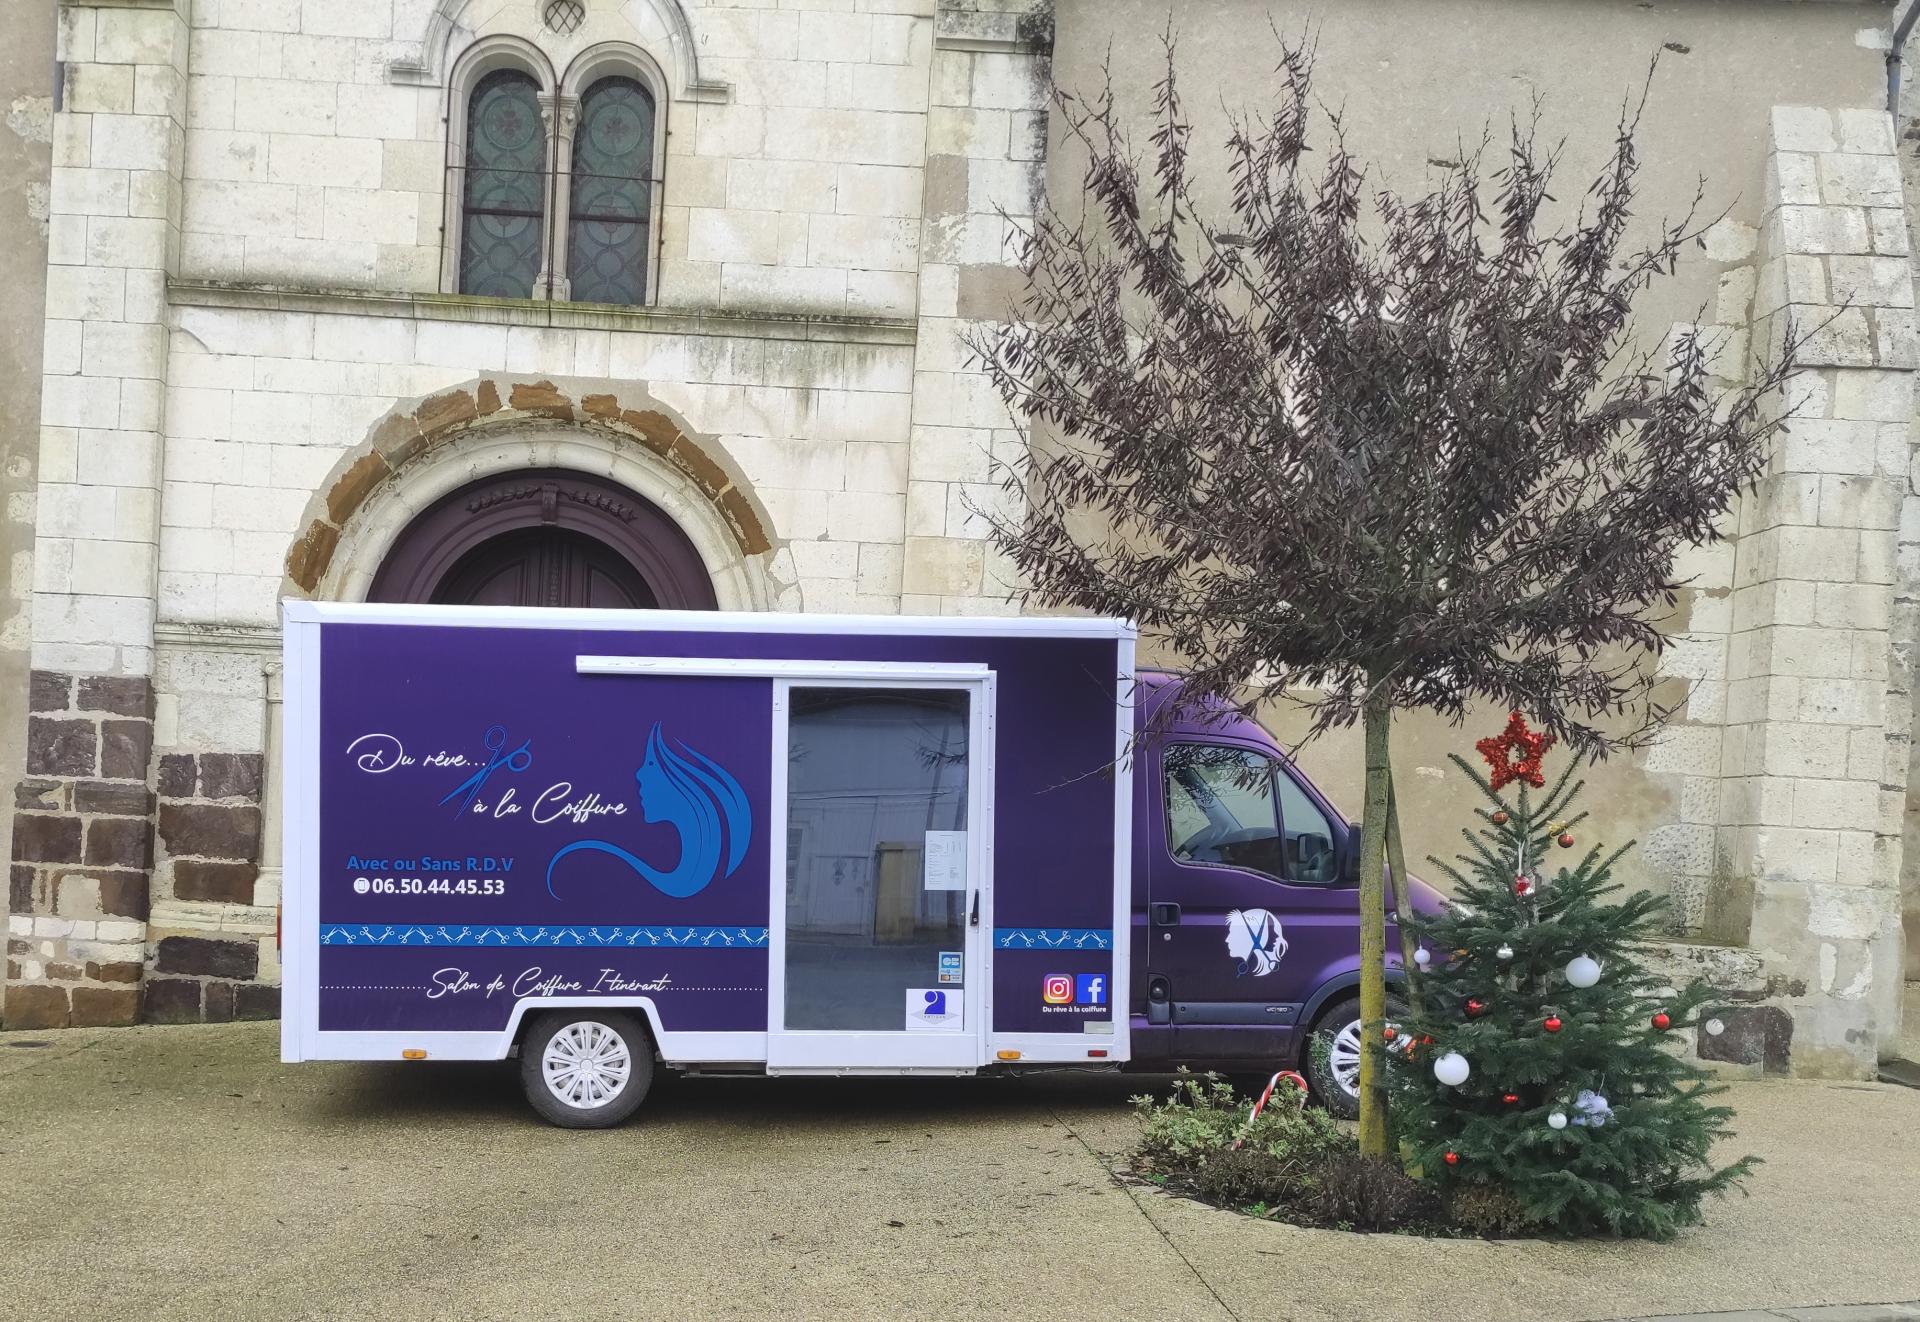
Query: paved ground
(1906, 1312)
(184, 1173)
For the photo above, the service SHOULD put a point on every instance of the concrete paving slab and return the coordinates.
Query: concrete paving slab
(186, 1173)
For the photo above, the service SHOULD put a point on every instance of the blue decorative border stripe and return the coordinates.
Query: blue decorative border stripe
(1053, 938)
(733, 938)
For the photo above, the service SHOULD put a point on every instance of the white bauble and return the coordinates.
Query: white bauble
(1558, 1120)
(1504, 952)
(1583, 971)
(1451, 1069)
(1423, 957)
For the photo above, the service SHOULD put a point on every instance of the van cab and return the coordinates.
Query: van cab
(1246, 936)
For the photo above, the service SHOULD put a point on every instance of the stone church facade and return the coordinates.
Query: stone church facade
(663, 303)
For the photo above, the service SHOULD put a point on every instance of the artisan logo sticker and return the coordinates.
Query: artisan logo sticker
(1057, 989)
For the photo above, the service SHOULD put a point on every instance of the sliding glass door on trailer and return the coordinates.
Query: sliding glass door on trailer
(882, 852)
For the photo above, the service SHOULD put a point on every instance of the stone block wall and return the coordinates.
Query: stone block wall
(209, 825)
(986, 174)
(82, 854)
(245, 280)
(316, 148)
(1815, 749)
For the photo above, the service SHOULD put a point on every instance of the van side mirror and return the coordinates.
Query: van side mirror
(1350, 862)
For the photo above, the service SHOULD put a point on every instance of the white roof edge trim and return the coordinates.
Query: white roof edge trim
(645, 621)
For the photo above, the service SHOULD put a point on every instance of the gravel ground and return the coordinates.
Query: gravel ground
(185, 1173)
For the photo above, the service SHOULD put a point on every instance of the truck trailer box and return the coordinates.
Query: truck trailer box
(802, 844)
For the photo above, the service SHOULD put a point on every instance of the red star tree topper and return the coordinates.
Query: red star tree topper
(1516, 738)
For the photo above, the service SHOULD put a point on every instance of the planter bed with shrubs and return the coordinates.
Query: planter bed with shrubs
(1296, 1164)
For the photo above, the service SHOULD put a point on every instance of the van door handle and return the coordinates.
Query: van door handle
(1166, 915)
(973, 919)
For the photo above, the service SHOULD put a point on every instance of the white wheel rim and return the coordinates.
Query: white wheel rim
(1343, 1059)
(586, 1065)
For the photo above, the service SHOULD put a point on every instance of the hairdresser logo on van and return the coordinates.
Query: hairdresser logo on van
(1255, 942)
(698, 798)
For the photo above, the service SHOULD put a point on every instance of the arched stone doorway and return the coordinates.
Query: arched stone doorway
(545, 537)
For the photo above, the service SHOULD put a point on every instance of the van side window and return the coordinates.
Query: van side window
(1309, 848)
(1220, 807)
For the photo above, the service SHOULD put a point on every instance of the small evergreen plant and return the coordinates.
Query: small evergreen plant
(1573, 1100)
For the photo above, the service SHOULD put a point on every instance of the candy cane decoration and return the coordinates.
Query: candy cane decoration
(1298, 1082)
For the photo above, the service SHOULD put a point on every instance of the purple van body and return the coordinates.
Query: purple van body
(423, 733)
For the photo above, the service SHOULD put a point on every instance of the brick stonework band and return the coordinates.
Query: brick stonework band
(209, 836)
(82, 854)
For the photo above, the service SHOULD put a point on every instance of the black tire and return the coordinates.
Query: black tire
(1338, 1026)
(609, 1040)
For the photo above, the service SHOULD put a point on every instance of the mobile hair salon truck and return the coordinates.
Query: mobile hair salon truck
(788, 844)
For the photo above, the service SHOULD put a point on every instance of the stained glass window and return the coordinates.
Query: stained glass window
(505, 197)
(612, 192)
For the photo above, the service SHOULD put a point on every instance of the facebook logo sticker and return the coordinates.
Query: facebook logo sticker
(1090, 989)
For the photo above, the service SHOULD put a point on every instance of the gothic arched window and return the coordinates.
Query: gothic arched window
(502, 234)
(612, 193)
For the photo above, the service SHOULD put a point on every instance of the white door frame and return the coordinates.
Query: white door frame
(816, 1051)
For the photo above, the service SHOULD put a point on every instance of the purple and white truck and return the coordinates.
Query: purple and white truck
(607, 841)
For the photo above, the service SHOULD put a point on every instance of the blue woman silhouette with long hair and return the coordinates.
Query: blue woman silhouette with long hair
(696, 796)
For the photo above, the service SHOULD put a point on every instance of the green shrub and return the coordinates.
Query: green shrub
(1245, 1177)
(1193, 1133)
(1489, 1209)
(1369, 1194)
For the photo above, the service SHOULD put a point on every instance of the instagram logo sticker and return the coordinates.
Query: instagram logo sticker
(1057, 989)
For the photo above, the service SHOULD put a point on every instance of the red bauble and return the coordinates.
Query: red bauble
(1500, 818)
(1426, 1041)
(1453, 1159)
(1661, 1021)
(1566, 840)
(1388, 1033)
(1474, 1009)
(1510, 1098)
(1521, 885)
(1553, 1023)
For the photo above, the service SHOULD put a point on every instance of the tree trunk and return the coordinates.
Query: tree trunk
(1402, 897)
(1373, 920)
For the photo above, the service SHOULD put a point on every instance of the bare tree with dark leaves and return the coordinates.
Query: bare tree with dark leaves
(1387, 458)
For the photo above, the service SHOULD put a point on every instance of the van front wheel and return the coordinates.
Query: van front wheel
(1333, 1055)
(585, 1069)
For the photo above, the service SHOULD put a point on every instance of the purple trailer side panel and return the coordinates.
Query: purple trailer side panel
(494, 826)
(459, 767)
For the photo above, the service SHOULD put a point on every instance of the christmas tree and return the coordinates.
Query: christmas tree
(1539, 1065)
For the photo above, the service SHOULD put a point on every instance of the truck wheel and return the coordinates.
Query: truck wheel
(586, 1069)
(1335, 1072)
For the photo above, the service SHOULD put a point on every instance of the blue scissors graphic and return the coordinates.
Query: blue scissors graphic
(496, 739)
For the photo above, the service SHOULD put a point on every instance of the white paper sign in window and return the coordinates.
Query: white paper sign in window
(946, 861)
